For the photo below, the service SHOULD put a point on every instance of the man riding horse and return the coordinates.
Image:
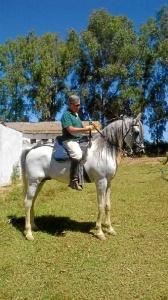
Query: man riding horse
(72, 130)
(38, 163)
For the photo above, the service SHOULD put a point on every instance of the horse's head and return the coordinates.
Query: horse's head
(133, 134)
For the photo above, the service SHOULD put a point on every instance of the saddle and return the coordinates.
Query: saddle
(60, 152)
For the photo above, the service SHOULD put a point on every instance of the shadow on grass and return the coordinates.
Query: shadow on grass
(53, 225)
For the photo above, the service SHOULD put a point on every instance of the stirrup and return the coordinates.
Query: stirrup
(74, 185)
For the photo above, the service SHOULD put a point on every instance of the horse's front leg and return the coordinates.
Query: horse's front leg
(101, 188)
(33, 225)
(110, 229)
(29, 210)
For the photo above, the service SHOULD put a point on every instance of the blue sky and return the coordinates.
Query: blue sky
(18, 17)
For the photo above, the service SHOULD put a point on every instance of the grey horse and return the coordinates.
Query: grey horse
(101, 165)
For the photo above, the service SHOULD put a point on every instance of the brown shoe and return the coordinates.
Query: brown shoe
(74, 185)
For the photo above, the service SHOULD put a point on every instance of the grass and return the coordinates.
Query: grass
(65, 261)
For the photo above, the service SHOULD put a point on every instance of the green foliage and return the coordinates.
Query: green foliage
(157, 148)
(106, 66)
(47, 70)
(66, 262)
(114, 69)
(33, 68)
(15, 177)
(154, 49)
(12, 82)
(162, 20)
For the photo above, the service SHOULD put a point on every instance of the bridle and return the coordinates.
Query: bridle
(135, 135)
(129, 131)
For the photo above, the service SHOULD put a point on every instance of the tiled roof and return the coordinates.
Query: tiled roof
(40, 127)
(35, 127)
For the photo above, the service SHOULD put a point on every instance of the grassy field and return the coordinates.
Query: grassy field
(65, 261)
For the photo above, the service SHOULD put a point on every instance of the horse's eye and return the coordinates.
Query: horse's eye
(136, 133)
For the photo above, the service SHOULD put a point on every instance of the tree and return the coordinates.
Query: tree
(114, 70)
(47, 75)
(12, 82)
(153, 43)
(33, 76)
(106, 71)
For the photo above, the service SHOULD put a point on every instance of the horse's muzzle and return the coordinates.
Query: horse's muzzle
(139, 148)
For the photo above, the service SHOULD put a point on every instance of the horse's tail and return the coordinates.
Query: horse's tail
(23, 169)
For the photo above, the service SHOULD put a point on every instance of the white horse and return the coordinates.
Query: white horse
(101, 166)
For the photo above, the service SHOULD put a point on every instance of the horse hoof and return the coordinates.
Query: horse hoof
(101, 236)
(29, 237)
(112, 232)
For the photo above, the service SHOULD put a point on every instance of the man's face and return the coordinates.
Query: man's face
(74, 107)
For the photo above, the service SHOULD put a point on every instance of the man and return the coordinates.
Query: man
(73, 129)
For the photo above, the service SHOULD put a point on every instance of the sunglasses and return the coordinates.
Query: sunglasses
(77, 105)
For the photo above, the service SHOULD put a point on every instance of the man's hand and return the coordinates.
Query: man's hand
(89, 127)
(95, 126)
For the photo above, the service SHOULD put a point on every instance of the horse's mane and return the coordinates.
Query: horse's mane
(110, 137)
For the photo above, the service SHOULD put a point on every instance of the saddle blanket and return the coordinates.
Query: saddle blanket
(60, 152)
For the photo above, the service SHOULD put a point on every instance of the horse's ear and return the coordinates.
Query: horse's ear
(139, 117)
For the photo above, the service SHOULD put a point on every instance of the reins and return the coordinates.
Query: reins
(107, 140)
(127, 152)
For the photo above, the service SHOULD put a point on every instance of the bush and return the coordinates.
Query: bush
(156, 149)
(15, 174)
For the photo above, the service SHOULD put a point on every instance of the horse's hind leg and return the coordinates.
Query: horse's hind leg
(110, 229)
(32, 192)
(33, 225)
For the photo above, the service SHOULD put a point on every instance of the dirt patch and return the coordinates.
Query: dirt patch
(8, 187)
(144, 160)
(4, 190)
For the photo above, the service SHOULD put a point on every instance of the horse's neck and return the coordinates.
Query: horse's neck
(114, 133)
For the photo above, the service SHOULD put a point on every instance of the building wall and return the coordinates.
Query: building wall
(28, 137)
(10, 151)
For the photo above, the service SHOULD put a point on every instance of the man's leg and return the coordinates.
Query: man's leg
(74, 181)
(75, 153)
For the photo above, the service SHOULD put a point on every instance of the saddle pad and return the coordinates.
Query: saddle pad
(59, 151)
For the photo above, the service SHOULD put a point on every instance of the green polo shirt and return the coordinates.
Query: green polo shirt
(70, 119)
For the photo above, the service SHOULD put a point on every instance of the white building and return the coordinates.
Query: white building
(10, 151)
